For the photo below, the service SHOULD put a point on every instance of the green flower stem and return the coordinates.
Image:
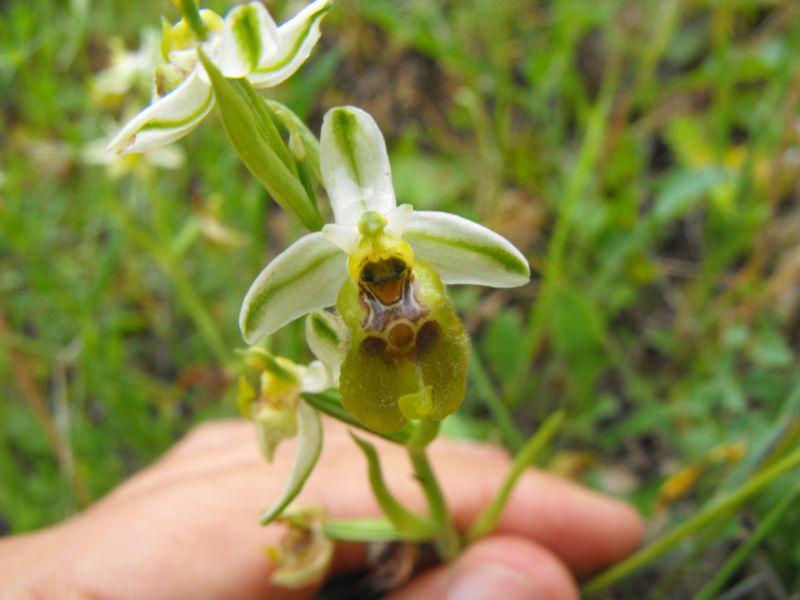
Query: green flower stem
(487, 520)
(446, 537)
(370, 530)
(190, 12)
(773, 518)
(403, 519)
(717, 510)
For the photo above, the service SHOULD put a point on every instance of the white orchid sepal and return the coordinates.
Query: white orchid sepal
(246, 43)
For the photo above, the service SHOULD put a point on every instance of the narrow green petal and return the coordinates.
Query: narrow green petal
(309, 446)
(304, 277)
(167, 119)
(296, 39)
(354, 164)
(464, 252)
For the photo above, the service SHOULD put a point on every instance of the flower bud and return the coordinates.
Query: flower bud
(304, 553)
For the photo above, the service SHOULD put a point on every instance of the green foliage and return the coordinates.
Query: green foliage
(642, 154)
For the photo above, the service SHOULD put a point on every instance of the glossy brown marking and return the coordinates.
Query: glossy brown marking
(388, 292)
(427, 336)
(385, 279)
(401, 336)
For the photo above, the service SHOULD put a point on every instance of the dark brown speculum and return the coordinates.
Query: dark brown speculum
(395, 316)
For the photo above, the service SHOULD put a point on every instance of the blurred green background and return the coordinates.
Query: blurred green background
(643, 155)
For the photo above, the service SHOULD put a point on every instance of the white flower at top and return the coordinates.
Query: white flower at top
(357, 176)
(246, 43)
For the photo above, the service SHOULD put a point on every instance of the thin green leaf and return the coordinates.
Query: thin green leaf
(487, 520)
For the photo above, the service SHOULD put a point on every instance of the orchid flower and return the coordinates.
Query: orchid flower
(277, 408)
(384, 267)
(246, 43)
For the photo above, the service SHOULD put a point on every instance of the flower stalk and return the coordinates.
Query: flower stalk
(191, 13)
(446, 538)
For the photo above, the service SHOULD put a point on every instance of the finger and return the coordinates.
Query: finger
(585, 529)
(504, 567)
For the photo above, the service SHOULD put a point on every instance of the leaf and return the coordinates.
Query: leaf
(681, 191)
(578, 326)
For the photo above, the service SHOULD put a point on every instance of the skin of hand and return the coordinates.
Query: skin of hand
(186, 527)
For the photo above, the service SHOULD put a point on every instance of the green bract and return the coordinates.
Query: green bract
(247, 43)
(406, 351)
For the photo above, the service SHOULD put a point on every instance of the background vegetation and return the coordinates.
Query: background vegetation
(644, 155)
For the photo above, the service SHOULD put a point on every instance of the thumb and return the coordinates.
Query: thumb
(505, 567)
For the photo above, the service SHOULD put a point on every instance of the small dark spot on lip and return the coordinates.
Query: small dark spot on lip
(374, 346)
(427, 336)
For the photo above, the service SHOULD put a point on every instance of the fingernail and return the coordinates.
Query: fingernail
(494, 581)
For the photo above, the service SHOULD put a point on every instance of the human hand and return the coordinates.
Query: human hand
(187, 526)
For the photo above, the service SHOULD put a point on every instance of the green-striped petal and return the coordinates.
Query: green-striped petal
(309, 446)
(296, 40)
(464, 252)
(249, 34)
(325, 336)
(167, 119)
(354, 164)
(304, 277)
